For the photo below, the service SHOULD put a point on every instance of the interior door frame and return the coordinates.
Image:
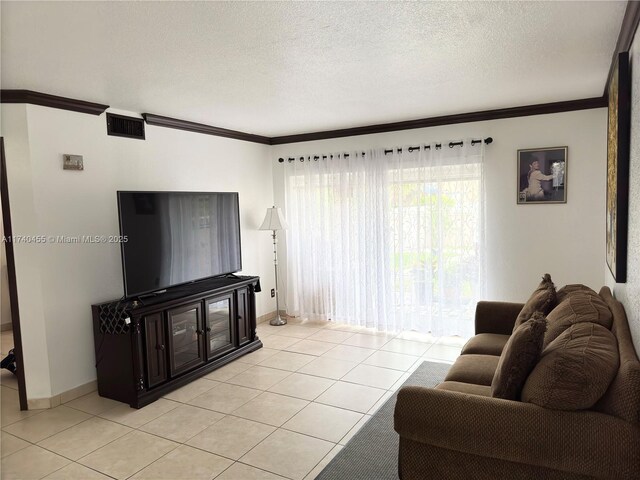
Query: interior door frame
(13, 288)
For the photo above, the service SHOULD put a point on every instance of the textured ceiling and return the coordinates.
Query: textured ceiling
(274, 68)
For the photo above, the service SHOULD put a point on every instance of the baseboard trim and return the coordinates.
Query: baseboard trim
(5, 327)
(43, 403)
(64, 397)
(266, 317)
(80, 391)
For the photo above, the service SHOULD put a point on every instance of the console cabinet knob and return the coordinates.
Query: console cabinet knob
(160, 347)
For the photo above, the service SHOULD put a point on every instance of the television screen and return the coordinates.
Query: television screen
(177, 237)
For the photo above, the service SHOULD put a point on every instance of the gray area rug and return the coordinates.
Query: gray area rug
(372, 454)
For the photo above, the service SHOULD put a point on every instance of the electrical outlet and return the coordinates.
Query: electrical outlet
(273, 292)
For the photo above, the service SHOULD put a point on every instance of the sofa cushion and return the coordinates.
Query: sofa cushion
(520, 355)
(567, 290)
(486, 344)
(579, 306)
(472, 388)
(543, 299)
(575, 370)
(478, 369)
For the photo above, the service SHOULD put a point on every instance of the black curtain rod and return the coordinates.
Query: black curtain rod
(487, 141)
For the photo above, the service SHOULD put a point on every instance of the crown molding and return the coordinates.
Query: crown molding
(53, 101)
(169, 122)
(628, 30)
(539, 109)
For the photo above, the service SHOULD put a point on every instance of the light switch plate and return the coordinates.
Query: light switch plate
(72, 162)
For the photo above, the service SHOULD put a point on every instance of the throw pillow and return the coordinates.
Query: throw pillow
(575, 370)
(519, 357)
(567, 290)
(543, 299)
(580, 306)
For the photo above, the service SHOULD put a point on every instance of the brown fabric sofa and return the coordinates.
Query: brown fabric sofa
(457, 430)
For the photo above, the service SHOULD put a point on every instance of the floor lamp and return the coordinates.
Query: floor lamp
(274, 221)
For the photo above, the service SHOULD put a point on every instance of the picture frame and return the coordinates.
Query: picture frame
(618, 145)
(542, 175)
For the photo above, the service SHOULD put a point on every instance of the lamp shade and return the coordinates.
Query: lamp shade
(274, 220)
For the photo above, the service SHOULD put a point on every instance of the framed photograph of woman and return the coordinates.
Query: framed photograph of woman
(542, 175)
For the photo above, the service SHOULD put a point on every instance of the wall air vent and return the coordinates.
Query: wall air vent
(121, 126)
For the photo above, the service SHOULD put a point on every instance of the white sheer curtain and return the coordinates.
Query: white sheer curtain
(390, 241)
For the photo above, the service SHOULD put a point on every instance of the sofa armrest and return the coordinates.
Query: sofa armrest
(496, 317)
(584, 442)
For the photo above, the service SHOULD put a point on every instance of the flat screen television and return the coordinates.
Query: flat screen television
(177, 237)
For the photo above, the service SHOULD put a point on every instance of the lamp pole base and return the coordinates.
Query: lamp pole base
(278, 321)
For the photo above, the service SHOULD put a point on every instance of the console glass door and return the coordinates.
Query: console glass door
(185, 336)
(219, 325)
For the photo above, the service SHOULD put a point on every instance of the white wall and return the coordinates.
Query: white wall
(24, 221)
(57, 283)
(629, 293)
(523, 241)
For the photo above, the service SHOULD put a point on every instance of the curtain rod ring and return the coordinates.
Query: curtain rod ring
(410, 149)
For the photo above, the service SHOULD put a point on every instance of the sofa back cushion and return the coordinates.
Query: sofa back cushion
(622, 399)
(579, 306)
(519, 356)
(575, 370)
(543, 299)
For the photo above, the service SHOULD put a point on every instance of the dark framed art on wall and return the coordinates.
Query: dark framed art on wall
(542, 175)
(618, 141)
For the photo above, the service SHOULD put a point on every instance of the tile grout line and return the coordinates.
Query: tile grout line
(247, 419)
(334, 381)
(70, 459)
(162, 456)
(263, 440)
(80, 458)
(274, 393)
(186, 444)
(322, 459)
(262, 469)
(48, 436)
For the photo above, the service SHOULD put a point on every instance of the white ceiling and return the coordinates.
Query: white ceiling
(276, 68)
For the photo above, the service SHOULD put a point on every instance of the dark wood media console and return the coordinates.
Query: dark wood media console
(146, 349)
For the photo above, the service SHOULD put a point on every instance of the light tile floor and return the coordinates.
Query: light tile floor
(283, 411)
